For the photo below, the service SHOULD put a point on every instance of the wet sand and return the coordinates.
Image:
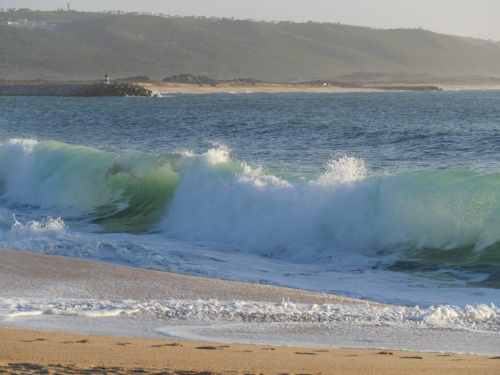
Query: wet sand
(29, 275)
(24, 274)
(32, 351)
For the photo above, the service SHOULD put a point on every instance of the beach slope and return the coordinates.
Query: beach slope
(58, 348)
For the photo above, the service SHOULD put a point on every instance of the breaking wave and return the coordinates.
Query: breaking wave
(433, 216)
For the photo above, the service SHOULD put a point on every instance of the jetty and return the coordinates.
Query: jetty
(75, 89)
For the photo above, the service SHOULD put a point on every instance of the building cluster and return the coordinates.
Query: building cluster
(32, 24)
(212, 19)
(26, 24)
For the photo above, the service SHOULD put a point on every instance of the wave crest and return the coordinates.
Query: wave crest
(344, 212)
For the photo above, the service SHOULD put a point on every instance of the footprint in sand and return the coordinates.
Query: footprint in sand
(207, 347)
(411, 358)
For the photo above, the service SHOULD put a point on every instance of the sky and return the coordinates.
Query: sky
(476, 18)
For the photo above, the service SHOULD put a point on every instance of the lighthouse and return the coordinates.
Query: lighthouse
(106, 79)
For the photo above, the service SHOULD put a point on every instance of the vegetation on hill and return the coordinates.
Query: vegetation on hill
(86, 45)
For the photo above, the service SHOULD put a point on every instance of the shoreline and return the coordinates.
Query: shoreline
(66, 353)
(206, 89)
(170, 88)
(67, 277)
(124, 88)
(81, 342)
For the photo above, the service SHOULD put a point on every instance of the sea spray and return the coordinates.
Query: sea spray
(341, 212)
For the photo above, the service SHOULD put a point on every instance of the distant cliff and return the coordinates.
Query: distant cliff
(87, 45)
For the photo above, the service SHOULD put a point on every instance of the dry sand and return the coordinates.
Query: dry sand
(268, 87)
(282, 88)
(30, 275)
(32, 351)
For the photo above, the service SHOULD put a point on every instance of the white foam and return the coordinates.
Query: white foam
(344, 210)
(480, 317)
(473, 329)
(346, 277)
(26, 145)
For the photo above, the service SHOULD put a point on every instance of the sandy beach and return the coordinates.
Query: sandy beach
(24, 274)
(281, 88)
(23, 351)
(266, 88)
(29, 275)
(455, 87)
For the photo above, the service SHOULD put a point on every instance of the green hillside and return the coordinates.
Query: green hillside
(85, 45)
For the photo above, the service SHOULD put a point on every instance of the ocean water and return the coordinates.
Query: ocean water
(392, 197)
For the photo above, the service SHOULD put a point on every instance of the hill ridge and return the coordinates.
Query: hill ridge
(86, 45)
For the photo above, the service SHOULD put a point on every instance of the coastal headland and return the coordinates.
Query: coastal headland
(187, 83)
(147, 87)
(362, 82)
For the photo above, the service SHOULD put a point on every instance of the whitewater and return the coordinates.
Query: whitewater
(266, 189)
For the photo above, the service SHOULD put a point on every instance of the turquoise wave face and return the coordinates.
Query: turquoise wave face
(424, 220)
(118, 191)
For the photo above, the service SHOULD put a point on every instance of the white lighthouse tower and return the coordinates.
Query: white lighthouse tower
(106, 79)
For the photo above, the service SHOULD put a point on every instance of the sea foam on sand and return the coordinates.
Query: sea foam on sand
(141, 303)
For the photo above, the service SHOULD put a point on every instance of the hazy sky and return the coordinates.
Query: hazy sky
(477, 18)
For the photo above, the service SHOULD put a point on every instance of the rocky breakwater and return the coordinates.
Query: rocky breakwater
(77, 90)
